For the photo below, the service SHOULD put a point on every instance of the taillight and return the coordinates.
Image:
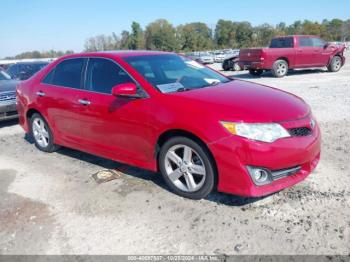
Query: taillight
(262, 56)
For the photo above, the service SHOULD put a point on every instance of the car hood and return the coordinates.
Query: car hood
(240, 100)
(8, 85)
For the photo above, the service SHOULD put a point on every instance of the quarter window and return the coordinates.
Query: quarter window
(68, 73)
(104, 74)
(284, 42)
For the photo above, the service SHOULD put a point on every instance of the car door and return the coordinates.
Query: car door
(114, 126)
(305, 53)
(321, 51)
(57, 97)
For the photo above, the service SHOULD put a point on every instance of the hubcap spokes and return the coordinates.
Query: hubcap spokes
(281, 69)
(337, 64)
(40, 132)
(185, 168)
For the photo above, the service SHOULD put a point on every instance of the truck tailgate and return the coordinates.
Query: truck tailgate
(250, 55)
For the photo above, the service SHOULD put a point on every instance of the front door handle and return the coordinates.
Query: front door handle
(84, 102)
(40, 93)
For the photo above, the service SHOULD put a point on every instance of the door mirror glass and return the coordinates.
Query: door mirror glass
(125, 89)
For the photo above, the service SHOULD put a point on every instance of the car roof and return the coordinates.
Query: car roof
(283, 36)
(117, 53)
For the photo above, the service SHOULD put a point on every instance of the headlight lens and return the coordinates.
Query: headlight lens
(260, 132)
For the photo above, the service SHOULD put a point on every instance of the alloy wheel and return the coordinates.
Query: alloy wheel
(337, 64)
(281, 69)
(40, 132)
(185, 168)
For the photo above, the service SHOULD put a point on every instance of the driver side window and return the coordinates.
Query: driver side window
(317, 42)
(104, 74)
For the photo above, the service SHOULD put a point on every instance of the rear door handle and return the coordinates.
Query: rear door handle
(40, 93)
(84, 102)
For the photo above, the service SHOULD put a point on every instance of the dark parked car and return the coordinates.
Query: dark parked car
(7, 97)
(24, 70)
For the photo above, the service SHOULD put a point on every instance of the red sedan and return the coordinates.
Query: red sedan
(164, 112)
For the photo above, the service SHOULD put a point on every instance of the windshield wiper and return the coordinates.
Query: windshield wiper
(215, 83)
(182, 89)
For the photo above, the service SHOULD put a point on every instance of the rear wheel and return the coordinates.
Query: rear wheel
(335, 64)
(256, 72)
(42, 134)
(187, 168)
(280, 68)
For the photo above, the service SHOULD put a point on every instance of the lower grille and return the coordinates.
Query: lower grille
(300, 131)
(278, 174)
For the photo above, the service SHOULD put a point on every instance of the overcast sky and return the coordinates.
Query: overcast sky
(65, 24)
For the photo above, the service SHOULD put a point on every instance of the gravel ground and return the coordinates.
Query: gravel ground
(51, 205)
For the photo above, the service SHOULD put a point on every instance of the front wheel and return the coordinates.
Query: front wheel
(335, 64)
(187, 168)
(42, 134)
(227, 65)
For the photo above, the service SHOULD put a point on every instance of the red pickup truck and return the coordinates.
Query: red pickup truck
(291, 52)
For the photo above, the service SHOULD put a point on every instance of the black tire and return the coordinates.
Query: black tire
(256, 72)
(280, 68)
(209, 180)
(50, 147)
(335, 64)
(227, 65)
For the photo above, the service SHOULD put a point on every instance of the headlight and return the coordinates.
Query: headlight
(261, 132)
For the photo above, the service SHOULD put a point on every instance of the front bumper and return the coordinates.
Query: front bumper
(233, 154)
(8, 110)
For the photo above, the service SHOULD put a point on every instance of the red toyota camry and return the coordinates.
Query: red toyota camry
(163, 112)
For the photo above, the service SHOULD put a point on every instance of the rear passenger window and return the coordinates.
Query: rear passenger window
(305, 42)
(68, 73)
(284, 42)
(103, 74)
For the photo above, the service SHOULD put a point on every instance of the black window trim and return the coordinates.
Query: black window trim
(144, 93)
(54, 69)
(84, 76)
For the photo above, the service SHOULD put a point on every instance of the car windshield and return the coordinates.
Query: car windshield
(4, 75)
(27, 70)
(172, 73)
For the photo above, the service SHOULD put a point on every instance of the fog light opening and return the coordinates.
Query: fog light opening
(260, 176)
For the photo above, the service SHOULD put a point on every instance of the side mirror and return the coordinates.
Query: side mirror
(326, 45)
(125, 89)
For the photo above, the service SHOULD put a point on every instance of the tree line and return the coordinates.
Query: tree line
(162, 35)
(198, 36)
(38, 54)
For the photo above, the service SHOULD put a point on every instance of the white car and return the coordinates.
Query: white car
(205, 58)
(219, 57)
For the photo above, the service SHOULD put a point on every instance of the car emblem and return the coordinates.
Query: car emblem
(248, 54)
(312, 123)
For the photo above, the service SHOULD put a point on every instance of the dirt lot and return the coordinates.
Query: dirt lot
(51, 205)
